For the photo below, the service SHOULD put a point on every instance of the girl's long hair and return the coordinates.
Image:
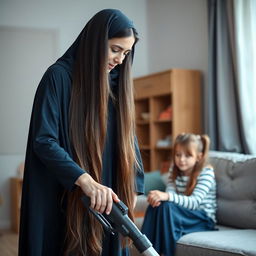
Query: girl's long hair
(191, 143)
(88, 127)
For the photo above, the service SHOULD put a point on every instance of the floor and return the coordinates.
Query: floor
(8, 243)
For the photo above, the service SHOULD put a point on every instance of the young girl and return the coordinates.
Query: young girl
(82, 141)
(189, 203)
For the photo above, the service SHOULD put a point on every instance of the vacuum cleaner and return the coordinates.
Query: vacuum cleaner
(118, 221)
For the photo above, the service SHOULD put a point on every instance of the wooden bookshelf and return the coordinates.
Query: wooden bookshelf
(178, 89)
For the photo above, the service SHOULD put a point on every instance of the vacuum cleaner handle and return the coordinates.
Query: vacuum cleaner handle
(118, 220)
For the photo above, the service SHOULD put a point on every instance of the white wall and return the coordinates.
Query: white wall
(177, 35)
(66, 18)
(18, 80)
(178, 38)
(69, 17)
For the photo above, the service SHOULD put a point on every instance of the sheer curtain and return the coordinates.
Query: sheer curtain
(245, 38)
(230, 113)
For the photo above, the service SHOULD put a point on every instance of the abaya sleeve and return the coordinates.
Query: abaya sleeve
(49, 126)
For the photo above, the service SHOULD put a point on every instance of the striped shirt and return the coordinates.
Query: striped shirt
(203, 196)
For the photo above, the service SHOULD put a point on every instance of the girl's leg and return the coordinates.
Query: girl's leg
(164, 225)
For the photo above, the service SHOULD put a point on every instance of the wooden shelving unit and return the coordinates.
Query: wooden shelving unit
(180, 90)
(16, 190)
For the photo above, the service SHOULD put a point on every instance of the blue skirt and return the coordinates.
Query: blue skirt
(165, 224)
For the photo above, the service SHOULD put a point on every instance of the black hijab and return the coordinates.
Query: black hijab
(111, 21)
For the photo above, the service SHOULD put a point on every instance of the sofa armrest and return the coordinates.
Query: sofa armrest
(141, 206)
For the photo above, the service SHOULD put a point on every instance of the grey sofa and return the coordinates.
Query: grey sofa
(236, 213)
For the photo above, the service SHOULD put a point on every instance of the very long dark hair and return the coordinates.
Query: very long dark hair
(88, 125)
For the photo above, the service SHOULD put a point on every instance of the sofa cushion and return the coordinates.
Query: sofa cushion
(218, 243)
(153, 181)
(236, 189)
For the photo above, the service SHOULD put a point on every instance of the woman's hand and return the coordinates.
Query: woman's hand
(155, 197)
(101, 196)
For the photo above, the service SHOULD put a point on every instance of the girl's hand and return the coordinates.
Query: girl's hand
(101, 196)
(155, 197)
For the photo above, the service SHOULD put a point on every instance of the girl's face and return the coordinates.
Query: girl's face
(186, 157)
(118, 48)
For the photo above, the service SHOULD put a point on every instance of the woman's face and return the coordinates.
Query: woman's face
(118, 48)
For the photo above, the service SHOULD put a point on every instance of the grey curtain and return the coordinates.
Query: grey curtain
(223, 114)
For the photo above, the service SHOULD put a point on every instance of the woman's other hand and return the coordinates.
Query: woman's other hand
(155, 197)
(101, 196)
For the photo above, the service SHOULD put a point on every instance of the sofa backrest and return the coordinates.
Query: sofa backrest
(236, 189)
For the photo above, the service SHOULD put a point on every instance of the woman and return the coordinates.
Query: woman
(82, 141)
